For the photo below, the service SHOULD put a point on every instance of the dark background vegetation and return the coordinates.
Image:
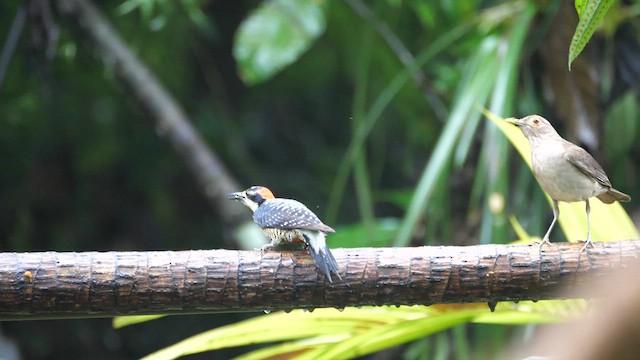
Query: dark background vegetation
(82, 168)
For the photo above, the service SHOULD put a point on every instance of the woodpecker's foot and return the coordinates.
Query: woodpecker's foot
(282, 246)
(267, 247)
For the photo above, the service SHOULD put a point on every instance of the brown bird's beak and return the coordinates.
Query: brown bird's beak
(237, 195)
(514, 121)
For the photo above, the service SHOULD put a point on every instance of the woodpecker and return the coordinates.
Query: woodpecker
(287, 221)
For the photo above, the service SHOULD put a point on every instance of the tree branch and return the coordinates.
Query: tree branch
(15, 30)
(103, 284)
(169, 118)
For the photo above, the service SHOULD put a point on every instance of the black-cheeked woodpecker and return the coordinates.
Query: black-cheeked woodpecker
(287, 221)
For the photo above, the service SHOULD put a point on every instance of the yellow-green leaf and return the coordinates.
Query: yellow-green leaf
(579, 4)
(279, 327)
(523, 237)
(122, 321)
(329, 333)
(384, 337)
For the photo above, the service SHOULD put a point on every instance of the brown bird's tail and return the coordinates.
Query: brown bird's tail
(612, 195)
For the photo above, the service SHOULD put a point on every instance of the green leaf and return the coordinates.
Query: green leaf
(540, 312)
(146, 7)
(333, 334)
(591, 13)
(608, 222)
(287, 349)
(122, 321)
(580, 4)
(396, 334)
(391, 335)
(278, 327)
(275, 35)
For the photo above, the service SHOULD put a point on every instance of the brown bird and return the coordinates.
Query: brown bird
(565, 171)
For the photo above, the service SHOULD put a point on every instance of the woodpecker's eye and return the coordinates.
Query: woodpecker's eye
(254, 195)
(258, 194)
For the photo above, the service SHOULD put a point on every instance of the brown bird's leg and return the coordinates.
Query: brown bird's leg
(556, 214)
(588, 242)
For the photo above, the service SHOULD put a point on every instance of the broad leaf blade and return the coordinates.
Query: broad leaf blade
(327, 333)
(275, 35)
(277, 327)
(591, 13)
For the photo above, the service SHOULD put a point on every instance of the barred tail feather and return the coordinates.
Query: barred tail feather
(321, 254)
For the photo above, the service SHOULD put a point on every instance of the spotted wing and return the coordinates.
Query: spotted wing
(582, 160)
(287, 214)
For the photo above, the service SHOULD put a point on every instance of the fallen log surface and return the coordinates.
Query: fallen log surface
(43, 285)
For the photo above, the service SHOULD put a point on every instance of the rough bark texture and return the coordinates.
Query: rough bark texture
(95, 284)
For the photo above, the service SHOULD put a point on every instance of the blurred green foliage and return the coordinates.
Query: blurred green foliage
(334, 118)
(275, 35)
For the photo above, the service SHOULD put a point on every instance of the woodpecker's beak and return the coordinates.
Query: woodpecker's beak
(237, 196)
(514, 121)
